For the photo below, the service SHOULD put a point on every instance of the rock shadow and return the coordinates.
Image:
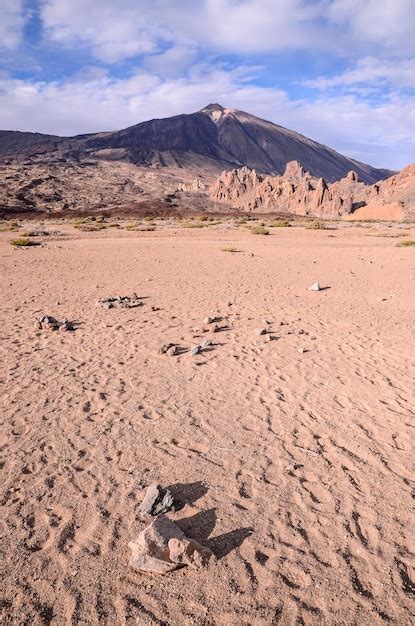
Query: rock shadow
(223, 544)
(201, 525)
(187, 493)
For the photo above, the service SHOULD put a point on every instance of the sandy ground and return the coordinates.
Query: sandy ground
(295, 467)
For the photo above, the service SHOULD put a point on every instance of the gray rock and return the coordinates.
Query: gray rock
(165, 347)
(196, 350)
(47, 322)
(209, 320)
(157, 500)
(261, 331)
(65, 326)
(173, 350)
(163, 547)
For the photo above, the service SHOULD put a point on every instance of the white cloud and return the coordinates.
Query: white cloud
(173, 62)
(126, 28)
(371, 72)
(389, 24)
(114, 31)
(12, 19)
(381, 134)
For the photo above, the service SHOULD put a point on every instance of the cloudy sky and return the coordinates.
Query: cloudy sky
(339, 71)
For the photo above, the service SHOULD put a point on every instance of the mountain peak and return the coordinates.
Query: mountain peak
(216, 111)
(212, 107)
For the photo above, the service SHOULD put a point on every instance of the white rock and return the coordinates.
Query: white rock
(315, 287)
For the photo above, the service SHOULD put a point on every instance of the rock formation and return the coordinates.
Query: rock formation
(163, 547)
(298, 192)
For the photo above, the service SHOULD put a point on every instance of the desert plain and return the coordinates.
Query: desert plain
(291, 452)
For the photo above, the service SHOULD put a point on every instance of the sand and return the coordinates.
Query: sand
(294, 467)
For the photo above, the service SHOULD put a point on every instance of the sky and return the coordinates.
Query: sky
(339, 71)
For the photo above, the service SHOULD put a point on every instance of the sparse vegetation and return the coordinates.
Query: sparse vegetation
(280, 224)
(406, 243)
(38, 233)
(97, 222)
(23, 242)
(316, 225)
(194, 225)
(259, 230)
(9, 225)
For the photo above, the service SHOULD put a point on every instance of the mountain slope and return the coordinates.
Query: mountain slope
(15, 142)
(230, 138)
(212, 139)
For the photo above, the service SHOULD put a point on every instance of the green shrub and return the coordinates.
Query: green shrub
(407, 243)
(23, 241)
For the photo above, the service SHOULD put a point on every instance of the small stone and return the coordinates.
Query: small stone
(156, 500)
(302, 350)
(206, 343)
(37, 325)
(261, 331)
(196, 350)
(65, 326)
(165, 347)
(267, 338)
(315, 287)
(173, 350)
(208, 320)
(163, 547)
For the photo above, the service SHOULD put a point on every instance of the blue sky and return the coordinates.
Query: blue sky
(339, 71)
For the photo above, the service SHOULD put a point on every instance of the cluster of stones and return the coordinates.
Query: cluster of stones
(121, 302)
(47, 322)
